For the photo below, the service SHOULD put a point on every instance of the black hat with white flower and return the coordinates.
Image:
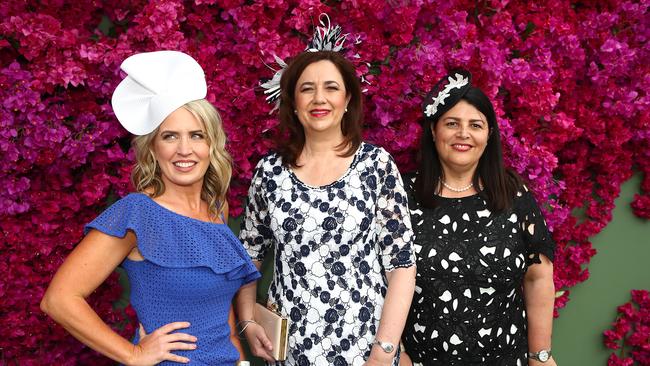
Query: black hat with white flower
(445, 94)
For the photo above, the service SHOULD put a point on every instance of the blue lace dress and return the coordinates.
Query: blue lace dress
(333, 245)
(191, 271)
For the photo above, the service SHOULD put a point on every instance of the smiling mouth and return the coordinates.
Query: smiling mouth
(461, 147)
(184, 164)
(319, 112)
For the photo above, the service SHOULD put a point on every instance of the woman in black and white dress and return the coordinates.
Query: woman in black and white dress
(484, 285)
(334, 209)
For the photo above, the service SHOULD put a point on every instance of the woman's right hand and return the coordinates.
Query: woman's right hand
(158, 345)
(258, 342)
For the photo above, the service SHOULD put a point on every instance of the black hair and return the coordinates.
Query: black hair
(500, 185)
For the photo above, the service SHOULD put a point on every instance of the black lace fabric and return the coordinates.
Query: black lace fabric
(468, 307)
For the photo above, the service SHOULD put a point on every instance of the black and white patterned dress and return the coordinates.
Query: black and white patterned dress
(468, 307)
(332, 244)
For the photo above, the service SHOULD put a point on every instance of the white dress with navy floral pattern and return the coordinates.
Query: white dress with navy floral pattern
(333, 245)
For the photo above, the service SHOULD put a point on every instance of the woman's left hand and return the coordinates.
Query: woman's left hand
(373, 362)
(405, 360)
(550, 362)
(379, 359)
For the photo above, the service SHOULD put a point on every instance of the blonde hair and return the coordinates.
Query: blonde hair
(146, 172)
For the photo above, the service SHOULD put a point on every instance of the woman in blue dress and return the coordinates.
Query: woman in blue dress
(183, 262)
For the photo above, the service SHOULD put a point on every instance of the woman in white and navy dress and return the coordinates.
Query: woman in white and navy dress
(335, 211)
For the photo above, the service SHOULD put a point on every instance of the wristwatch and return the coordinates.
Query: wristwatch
(541, 356)
(385, 346)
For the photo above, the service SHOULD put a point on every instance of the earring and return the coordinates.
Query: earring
(295, 111)
(346, 109)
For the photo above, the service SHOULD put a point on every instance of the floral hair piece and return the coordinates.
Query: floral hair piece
(326, 38)
(446, 93)
(272, 86)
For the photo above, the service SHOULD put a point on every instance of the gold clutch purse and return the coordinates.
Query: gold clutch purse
(276, 327)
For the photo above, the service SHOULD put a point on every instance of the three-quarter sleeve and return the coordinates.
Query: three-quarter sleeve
(536, 235)
(255, 232)
(395, 234)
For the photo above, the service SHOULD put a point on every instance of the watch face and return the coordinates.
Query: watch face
(386, 346)
(543, 355)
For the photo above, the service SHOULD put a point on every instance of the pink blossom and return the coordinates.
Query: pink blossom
(614, 360)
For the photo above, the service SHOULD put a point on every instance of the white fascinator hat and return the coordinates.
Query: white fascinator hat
(157, 83)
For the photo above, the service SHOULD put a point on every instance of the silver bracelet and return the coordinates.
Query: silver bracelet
(243, 325)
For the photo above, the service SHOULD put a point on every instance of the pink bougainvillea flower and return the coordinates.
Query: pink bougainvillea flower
(569, 86)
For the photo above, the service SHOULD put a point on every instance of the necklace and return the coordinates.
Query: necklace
(456, 189)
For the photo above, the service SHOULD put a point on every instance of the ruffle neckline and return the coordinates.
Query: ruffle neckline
(169, 239)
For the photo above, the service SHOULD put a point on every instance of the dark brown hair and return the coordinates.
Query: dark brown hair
(290, 139)
(500, 185)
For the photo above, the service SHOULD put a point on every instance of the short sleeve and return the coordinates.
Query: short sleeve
(536, 235)
(395, 234)
(117, 219)
(255, 232)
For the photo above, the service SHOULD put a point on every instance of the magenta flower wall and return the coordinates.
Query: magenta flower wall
(569, 81)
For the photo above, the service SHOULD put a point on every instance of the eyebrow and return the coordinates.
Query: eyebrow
(311, 83)
(471, 120)
(172, 131)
